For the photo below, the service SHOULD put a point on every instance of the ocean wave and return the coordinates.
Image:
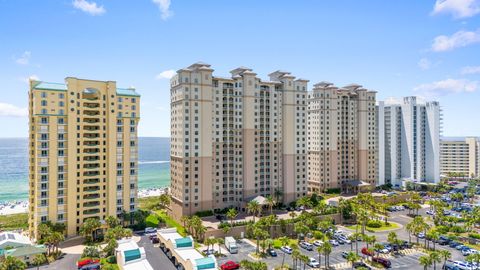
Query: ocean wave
(154, 162)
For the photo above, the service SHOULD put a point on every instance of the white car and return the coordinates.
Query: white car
(463, 265)
(333, 242)
(345, 240)
(430, 212)
(318, 243)
(286, 249)
(313, 263)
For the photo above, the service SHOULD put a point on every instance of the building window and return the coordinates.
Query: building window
(43, 94)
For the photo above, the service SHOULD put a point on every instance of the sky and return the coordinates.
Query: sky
(428, 48)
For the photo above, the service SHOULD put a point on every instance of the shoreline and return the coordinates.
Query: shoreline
(20, 207)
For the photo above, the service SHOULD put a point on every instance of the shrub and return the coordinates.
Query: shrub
(457, 229)
(374, 223)
(90, 252)
(206, 213)
(333, 191)
(474, 235)
(442, 229)
(318, 235)
(152, 221)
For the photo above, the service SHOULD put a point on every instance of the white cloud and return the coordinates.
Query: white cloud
(424, 64)
(167, 74)
(31, 77)
(471, 70)
(458, 40)
(24, 59)
(448, 86)
(458, 8)
(164, 6)
(89, 7)
(12, 110)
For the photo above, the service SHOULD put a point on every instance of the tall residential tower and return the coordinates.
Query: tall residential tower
(460, 155)
(409, 134)
(235, 138)
(83, 152)
(342, 150)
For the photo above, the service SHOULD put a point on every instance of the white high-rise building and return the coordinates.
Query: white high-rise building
(409, 141)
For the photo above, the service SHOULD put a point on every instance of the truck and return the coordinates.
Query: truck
(231, 244)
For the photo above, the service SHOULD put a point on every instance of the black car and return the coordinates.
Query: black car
(95, 266)
(272, 252)
(361, 264)
(443, 240)
(155, 240)
(453, 244)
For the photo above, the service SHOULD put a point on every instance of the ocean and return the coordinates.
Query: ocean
(153, 166)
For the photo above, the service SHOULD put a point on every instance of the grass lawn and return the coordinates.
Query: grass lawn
(149, 203)
(391, 226)
(14, 221)
(171, 222)
(277, 244)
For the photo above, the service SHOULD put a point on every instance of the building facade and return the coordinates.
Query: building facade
(83, 152)
(342, 151)
(235, 138)
(460, 156)
(409, 139)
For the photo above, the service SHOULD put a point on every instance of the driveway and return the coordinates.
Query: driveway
(155, 256)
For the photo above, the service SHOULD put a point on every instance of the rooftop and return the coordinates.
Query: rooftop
(39, 85)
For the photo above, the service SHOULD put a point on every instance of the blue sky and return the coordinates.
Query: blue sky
(428, 48)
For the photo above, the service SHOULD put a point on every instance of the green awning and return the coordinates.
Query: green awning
(132, 254)
(205, 263)
(184, 242)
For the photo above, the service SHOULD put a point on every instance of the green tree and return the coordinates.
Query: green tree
(89, 228)
(352, 258)
(425, 261)
(284, 242)
(12, 263)
(164, 201)
(435, 257)
(231, 215)
(270, 203)
(112, 221)
(90, 252)
(445, 254)
(254, 208)
(327, 249)
(39, 259)
(109, 249)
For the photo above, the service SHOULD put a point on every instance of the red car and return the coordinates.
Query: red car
(367, 252)
(84, 262)
(230, 265)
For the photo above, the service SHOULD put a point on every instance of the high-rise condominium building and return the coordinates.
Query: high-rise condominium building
(83, 152)
(235, 138)
(460, 155)
(341, 138)
(409, 134)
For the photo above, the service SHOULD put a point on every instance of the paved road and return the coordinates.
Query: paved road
(155, 256)
(68, 262)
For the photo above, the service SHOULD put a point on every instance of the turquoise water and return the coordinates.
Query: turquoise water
(154, 166)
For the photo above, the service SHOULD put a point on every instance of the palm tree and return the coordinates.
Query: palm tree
(253, 207)
(435, 257)
(112, 222)
(473, 258)
(295, 256)
(327, 249)
(284, 242)
(89, 228)
(164, 200)
(271, 203)
(445, 254)
(433, 235)
(425, 261)
(352, 258)
(38, 260)
(231, 215)
(320, 252)
(277, 194)
(12, 263)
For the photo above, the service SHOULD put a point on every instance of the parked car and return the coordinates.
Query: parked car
(449, 265)
(454, 244)
(85, 262)
(150, 230)
(443, 240)
(209, 251)
(313, 263)
(272, 252)
(345, 239)
(460, 247)
(430, 212)
(367, 252)
(463, 265)
(286, 249)
(333, 242)
(94, 266)
(385, 262)
(155, 240)
(466, 251)
(230, 265)
(361, 265)
(383, 250)
(421, 235)
(344, 254)
(306, 246)
(317, 243)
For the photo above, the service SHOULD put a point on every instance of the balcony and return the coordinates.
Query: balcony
(91, 120)
(91, 189)
(92, 173)
(91, 136)
(91, 204)
(91, 128)
(91, 166)
(91, 143)
(91, 113)
(91, 158)
(91, 151)
(91, 211)
(91, 105)
(91, 181)
(91, 196)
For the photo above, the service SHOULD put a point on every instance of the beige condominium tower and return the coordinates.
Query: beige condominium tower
(83, 152)
(342, 149)
(460, 156)
(236, 138)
